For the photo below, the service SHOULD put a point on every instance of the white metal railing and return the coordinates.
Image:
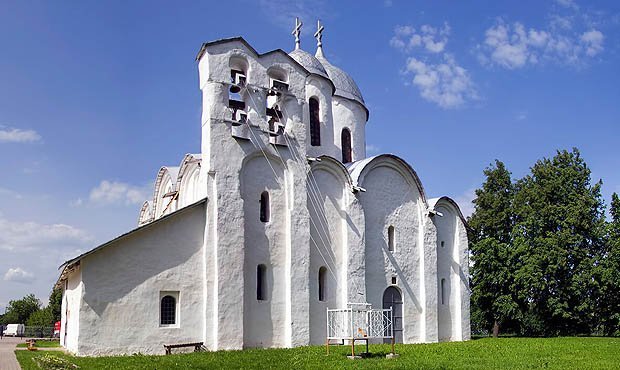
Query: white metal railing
(359, 323)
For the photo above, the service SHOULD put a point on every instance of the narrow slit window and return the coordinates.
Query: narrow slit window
(345, 141)
(315, 123)
(443, 291)
(264, 207)
(168, 309)
(261, 282)
(391, 238)
(322, 284)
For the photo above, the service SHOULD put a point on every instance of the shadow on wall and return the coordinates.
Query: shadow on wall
(111, 273)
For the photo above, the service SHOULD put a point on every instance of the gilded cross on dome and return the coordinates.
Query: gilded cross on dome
(297, 31)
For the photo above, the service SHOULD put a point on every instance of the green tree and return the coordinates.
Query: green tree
(20, 310)
(493, 298)
(55, 303)
(610, 276)
(42, 317)
(558, 236)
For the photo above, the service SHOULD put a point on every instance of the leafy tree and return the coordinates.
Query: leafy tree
(610, 277)
(55, 303)
(491, 223)
(42, 317)
(558, 240)
(20, 310)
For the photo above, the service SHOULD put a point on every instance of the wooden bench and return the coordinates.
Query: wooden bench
(197, 346)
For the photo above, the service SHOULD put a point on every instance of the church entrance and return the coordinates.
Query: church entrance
(392, 298)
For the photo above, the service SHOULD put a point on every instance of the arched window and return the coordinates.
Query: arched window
(315, 123)
(261, 282)
(345, 142)
(323, 284)
(443, 291)
(391, 238)
(168, 310)
(264, 206)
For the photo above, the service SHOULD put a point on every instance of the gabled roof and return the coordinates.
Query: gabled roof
(240, 39)
(67, 265)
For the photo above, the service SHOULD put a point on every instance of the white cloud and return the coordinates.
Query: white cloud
(283, 12)
(16, 135)
(18, 275)
(571, 4)
(10, 193)
(465, 202)
(447, 84)
(372, 149)
(114, 192)
(561, 22)
(432, 39)
(593, 42)
(438, 77)
(28, 236)
(514, 46)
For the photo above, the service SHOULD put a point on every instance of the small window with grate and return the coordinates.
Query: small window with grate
(168, 309)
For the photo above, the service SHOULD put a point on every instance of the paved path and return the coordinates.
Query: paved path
(8, 361)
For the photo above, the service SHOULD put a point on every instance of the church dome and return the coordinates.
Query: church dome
(345, 85)
(309, 62)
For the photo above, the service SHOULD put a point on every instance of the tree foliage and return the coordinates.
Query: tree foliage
(545, 262)
(18, 311)
(42, 317)
(55, 303)
(492, 278)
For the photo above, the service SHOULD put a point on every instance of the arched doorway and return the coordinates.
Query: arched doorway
(393, 298)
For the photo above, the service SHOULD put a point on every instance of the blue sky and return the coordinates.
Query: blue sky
(96, 96)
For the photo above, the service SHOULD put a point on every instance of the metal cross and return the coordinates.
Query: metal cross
(319, 33)
(297, 31)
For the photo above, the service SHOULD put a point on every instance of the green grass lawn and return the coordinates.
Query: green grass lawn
(42, 344)
(487, 353)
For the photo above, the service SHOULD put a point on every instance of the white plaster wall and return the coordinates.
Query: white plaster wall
(70, 315)
(452, 264)
(391, 199)
(327, 246)
(224, 156)
(447, 311)
(119, 313)
(264, 321)
(351, 115)
(320, 89)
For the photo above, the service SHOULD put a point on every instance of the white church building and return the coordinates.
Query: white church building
(278, 218)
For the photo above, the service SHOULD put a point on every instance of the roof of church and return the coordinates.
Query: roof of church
(73, 261)
(309, 62)
(433, 202)
(356, 168)
(345, 85)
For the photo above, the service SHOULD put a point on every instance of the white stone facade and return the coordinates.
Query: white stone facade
(256, 236)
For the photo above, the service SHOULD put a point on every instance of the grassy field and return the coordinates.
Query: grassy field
(487, 353)
(42, 344)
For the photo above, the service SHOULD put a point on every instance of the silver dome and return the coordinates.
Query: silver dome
(345, 85)
(309, 62)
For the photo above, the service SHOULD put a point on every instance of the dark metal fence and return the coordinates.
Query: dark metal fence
(39, 331)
